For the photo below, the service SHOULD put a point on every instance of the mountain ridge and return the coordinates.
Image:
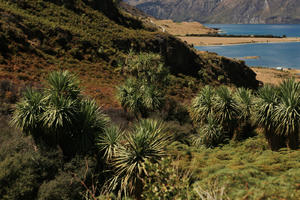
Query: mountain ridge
(223, 11)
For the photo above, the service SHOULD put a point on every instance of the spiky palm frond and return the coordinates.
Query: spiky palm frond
(151, 97)
(287, 112)
(108, 141)
(60, 114)
(139, 98)
(226, 109)
(129, 95)
(244, 99)
(202, 105)
(147, 142)
(90, 121)
(265, 107)
(28, 112)
(210, 134)
(90, 117)
(63, 83)
(146, 67)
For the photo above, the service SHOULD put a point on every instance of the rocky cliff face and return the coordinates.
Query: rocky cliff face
(223, 11)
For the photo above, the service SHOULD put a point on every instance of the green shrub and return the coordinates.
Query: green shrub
(22, 174)
(63, 187)
(165, 181)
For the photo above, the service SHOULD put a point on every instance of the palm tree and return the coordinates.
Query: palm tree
(147, 141)
(139, 98)
(226, 110)
(27, 115)
(59, 116)
(63, 83)
(244, 99)
(89, 123)
(210, 134)
(147, 67)
(108, 142)
(264, 114)
(202, 105)
(286, 114)
(152, 99)
(129, 96)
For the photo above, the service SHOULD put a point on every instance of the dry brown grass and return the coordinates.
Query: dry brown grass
(182, 28)
(207, 41)
(274, 76)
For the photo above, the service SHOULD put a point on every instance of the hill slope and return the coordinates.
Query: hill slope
(223, 11)
(89, 37)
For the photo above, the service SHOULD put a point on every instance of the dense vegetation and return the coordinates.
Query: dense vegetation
(90, 37)
(81, 154)
(58, 143)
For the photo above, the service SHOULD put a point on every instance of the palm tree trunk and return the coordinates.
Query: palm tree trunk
(138, 189)
(293, 140)
(275, 141)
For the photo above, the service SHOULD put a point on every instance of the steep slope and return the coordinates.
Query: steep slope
(223, 11)
(89, 37)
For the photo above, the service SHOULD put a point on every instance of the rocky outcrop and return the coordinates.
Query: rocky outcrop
(223, 11)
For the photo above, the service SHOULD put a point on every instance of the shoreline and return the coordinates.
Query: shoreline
(274, 76)
(226, 41)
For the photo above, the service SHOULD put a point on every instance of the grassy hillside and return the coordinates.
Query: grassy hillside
(89, 38)
(60, 144)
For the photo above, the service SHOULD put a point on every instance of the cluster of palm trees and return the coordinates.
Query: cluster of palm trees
(219, 114)
(59, 115)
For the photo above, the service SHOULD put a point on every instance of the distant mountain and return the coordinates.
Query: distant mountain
(223, 11)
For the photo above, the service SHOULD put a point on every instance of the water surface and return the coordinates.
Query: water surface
(290, 30)
(270, 54)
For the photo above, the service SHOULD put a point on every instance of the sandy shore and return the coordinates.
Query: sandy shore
(182, 28)
(274, 76)
(205, 41)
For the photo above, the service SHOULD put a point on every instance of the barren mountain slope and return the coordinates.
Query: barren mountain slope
(223, 11)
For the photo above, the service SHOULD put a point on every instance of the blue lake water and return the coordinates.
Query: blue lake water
(290, 30)
(270, 54)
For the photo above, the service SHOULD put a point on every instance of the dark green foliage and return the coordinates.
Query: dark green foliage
(60, 116)
(202, 105)
(146, 67)
(147, 141)
(22, 168)
(175, 111)
(166, 181)
(107, 142)
(277, 111)
(216, 114)
(63, 187)
(226, 110)
(139, 98)
(144, 91)
(210, 134)
(245, 101)
(22, 174)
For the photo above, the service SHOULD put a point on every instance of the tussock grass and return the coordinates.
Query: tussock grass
(248, 170)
